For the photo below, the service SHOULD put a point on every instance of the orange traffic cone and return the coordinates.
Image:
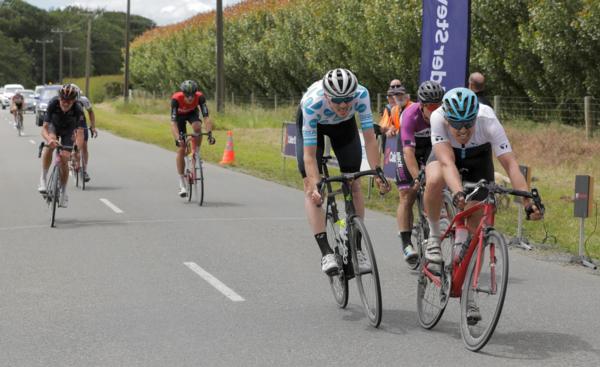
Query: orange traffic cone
(228, 153)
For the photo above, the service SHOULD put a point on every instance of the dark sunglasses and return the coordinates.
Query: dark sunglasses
(338, 100)
(395, 85)
(460, 124)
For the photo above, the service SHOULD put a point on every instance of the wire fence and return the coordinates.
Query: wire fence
(582, 112)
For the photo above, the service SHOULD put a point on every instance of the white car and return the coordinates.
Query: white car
(9, 92)
(4, 102)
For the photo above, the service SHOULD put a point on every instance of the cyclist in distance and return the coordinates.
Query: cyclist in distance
(87, 106)
(414, 147)
(463, 134)
(186, 106)
(17, 103)
(62, 121)
(328, 108)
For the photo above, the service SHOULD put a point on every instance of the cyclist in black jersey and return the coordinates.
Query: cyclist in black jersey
(62, 125)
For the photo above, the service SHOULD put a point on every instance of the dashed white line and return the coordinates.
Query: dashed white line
(112, 206)
(228, 292)
(32, 142)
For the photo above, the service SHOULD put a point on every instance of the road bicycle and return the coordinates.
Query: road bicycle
(478, 274)
(347, 234)
(420, 228)
(194, 172)
(77, 168)
(53, 186)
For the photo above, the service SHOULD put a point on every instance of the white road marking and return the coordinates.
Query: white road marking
(112, 206)
(228, 292)
(32, 142)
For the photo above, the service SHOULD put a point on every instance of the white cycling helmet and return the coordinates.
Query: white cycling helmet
(339, 83)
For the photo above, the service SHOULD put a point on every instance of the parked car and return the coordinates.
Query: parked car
(46, 95)
(30, 100)
(37, 90)
(9, 92)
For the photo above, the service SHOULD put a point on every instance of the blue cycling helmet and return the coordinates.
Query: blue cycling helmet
(460, 105)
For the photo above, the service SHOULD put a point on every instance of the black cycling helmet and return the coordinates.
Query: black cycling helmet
(430, 92)
(189, 88)
(68, 91)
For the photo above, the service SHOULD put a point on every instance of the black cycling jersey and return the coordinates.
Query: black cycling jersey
(63, 124)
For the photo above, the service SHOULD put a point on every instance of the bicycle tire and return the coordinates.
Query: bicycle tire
(429, 293)
(339, 281)
(19, 124)
(372, 305)
(200, 177)
(55, 193)
(82, 168)
(419, 232)
(477, 336)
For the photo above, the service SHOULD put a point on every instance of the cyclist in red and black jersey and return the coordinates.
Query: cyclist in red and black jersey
(185, 107)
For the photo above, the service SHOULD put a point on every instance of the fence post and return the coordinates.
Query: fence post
(252, 99)
(275, 100)
(232, 99)
(587, 108)
(497, 105)
(378, 102)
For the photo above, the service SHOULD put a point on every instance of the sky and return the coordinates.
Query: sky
(160, 11)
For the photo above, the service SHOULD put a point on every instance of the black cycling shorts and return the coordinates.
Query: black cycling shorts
(474, 164)
(190, 117)
(345, 142)
(404, 179)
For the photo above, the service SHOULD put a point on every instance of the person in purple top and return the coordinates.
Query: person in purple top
(414, 147)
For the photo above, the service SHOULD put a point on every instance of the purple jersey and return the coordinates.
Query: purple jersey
(414, 127)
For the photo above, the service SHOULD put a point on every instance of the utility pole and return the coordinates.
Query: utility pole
(60, 32)
(126, 91)
(71, 49)
(88, 49)
(44, 42)
(220, 63)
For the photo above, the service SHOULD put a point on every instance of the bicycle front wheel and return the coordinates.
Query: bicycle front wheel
(82, 169)
(484, 291)
(54, 193)
(19, 124)
(200, 178)
(367, 280)
(339, 281)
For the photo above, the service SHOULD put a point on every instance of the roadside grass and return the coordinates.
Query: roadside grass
(555, 152)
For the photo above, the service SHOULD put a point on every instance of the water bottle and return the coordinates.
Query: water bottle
(460, 242)
(343, 230)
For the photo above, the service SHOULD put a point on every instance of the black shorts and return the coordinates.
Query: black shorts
(404, 179)
(66, 136)
(345, 142)
(190, 117)
(474, 164)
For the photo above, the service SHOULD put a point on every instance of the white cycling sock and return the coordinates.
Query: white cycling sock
(434, 228)
(44, 174)
(182, 181)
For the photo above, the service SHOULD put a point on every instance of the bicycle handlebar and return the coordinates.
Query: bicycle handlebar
(59, 147)
(211, 139)
(352, 176)
(496, 189)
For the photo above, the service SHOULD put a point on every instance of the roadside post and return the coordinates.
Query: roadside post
(519, 240)
(584, 197)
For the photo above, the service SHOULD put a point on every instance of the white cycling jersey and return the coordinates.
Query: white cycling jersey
(316, 111)
(487, 130)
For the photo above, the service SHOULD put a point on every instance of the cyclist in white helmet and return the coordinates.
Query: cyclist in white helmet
(328, 108)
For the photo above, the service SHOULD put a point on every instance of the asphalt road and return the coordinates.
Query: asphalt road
(124, 289)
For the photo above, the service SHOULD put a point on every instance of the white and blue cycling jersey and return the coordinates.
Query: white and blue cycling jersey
(316, 111)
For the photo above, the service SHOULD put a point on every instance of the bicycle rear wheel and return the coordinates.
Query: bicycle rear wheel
(19, 124)
(369, 287)
(82, 168)
(433, 296)
(487, 290)
(200, 178)
(339, 281)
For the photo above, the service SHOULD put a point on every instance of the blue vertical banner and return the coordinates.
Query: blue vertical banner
(445, 42)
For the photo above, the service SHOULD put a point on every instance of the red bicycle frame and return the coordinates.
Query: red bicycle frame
(459, 268)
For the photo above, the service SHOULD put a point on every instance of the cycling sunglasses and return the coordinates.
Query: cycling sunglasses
(460, 124)
(338, 100)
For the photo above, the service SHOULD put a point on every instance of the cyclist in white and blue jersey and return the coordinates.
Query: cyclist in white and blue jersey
(328, 108)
